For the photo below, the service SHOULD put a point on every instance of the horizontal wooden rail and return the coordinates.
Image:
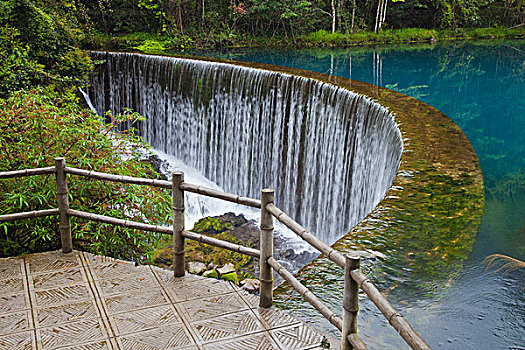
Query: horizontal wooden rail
(250, 202)
(118, 178)
(27, 172)
(120, 222)
(331, 316)
(222, 244)
(395, 319)
(29, 214)
(165, 230)
(308, 236)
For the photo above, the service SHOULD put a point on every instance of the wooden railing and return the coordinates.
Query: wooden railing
(354, 277)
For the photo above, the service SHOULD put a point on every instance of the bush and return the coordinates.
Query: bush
(35, 130)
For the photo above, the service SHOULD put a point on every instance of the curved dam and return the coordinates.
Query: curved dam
(405, 194)
(329, 153)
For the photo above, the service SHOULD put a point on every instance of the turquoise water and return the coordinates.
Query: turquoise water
(481, 87)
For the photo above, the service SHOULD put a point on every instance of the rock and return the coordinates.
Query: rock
(250, 285)
(212, 266)
(196, 267)
(163, 257)
(232, 277)
(226, 269)
(211, 274)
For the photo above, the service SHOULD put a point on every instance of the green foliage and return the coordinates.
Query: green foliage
(39, 47)
(35, 130)
(324, 38)
(210, 224)
(17, 71)
(232, 277)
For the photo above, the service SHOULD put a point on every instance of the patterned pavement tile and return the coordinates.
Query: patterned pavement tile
(50, 261)
(131, 301)
(11, 285)
(169, 337)
(154, 317)
(199, 309)
(198, 289)
(227, 326)
(273, 317)
(65, 313)
(18, 341)
(56, 296)
(129, 283)
(98, 345)
(14, 322)
(11, 267)
(64, 297)
(55, 279)
(259, 341)
(298, 336)
(13, 302)
(72, 333)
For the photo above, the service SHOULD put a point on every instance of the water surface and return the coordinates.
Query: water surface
(481, 87)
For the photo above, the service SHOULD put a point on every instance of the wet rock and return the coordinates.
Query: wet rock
(163, 257)
(211, 274)
(250, 285)
(232, 277)
(226, 269)
(196, 267)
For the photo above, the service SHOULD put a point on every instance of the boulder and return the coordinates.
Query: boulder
(226, 269)
(196, 267)
(250, 285)
(211, 274)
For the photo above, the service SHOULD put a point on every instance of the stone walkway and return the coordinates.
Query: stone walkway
(82, 301)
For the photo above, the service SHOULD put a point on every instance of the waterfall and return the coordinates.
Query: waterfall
(329, 153)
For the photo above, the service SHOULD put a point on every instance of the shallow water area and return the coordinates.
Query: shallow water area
(481, 87)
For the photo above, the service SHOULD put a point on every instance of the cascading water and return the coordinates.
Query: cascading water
(329, 153)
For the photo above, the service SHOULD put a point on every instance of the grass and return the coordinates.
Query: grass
(158, 43)
(322, 38)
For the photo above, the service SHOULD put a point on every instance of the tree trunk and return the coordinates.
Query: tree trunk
(380, 14)
(333, 16)
(353, 16)
(379, 2)
(339, 10)
(179, 14)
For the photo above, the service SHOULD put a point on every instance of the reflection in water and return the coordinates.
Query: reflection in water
(481, 88)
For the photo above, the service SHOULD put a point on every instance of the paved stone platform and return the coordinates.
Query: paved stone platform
(81, 301)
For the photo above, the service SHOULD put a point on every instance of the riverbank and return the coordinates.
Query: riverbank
(158, 44)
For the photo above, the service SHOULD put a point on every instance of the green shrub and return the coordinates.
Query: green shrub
(35, 130)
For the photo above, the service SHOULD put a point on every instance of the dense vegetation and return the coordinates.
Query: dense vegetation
(37, 128)
(184, 23)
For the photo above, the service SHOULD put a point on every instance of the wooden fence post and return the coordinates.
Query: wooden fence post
(266, 242)
(63, 205)
(178, 224)
(350, 301)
